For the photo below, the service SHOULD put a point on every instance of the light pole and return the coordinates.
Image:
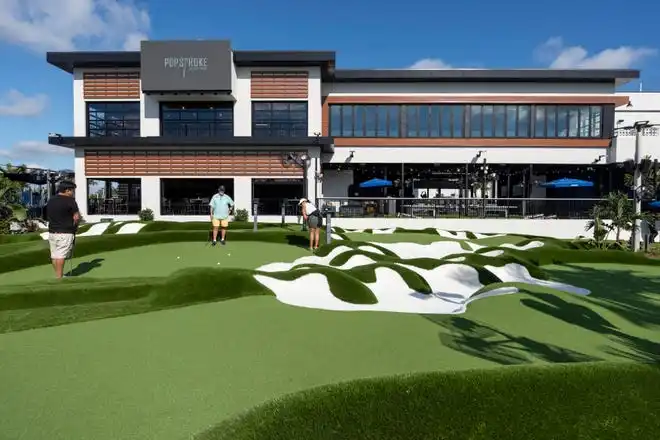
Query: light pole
(638, 127)
(301, 160)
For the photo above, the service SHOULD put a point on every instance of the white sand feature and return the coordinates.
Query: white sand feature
(453, 285)
(130, 228)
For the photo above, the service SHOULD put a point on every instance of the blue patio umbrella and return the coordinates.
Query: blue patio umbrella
(568, 183)
(376, 183)
(655, 204)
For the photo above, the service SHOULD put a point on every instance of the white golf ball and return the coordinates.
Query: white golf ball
(229, 255)
(218, 263)
(178, 258)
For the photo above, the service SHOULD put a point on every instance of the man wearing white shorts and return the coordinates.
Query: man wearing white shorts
(63, 216)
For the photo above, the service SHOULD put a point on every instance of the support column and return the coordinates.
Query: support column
(150, 195)
(243, 193)
(81, 181)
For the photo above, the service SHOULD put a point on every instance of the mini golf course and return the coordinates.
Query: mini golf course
(381, 335)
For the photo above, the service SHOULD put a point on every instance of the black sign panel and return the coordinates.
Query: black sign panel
(186, 66)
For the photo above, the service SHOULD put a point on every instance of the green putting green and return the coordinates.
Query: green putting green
(164, 259)
(174, 373)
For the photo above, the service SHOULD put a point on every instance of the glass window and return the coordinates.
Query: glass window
(113, 119)
(393, 120)
(434, 121)
(573, 121)
(381, 111)
(523, 121)
(511, 117)
(475, 121)
(584, 122)
(347, 121)
(335, 120)
(539, 121)
(360, 119)
(551, 121)
(423, 120)
(458, 123)
(487, 112)
(445, 121)
(500, 120)
(371, 120)
(562, 122)
(279, 119)
(197, 119)
(596, 121)
(412, 120)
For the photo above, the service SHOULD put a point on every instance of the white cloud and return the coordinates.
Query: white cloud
(63, 25)
(35, 153)
(559, 56)
(14, 103)
(430, 64)
(25, 148)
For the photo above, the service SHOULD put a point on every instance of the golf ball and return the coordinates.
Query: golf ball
(218, 263)
(229, 255)
(178, 258)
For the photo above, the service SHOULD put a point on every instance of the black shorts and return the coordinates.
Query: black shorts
(314, 221)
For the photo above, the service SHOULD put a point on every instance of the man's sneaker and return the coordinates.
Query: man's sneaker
(213, 243)
(223, 242)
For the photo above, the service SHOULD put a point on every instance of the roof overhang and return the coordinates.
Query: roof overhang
(326, 144)
(618, 76)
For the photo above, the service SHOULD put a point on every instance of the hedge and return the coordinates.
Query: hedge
(604, 401)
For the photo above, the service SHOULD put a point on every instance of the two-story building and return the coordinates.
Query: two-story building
(163, 127)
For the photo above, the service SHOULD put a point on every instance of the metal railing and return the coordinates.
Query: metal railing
(440, 208)
(276, 206)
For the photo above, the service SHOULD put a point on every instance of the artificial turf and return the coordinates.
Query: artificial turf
(173, 373)
(608, 402)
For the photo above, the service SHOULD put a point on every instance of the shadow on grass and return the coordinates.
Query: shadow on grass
(639, 349)
(488, 343)
(86, 267)
(634, 297)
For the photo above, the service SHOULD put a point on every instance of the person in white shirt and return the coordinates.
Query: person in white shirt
(312, 216)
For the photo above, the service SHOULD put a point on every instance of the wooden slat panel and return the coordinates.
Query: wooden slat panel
(188, 163)
(269, 85)
(114, 85)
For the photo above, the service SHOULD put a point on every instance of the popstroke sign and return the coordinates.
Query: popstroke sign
(186, 64)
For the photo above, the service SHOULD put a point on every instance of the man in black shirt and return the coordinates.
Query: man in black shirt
(63, 217)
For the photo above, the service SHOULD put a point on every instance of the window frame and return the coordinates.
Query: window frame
(204, 105)
(409, 126)
(291, 122)
(137, 131)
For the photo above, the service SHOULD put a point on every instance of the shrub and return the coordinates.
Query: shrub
(146, 215)
(571, 402)
(241, 215)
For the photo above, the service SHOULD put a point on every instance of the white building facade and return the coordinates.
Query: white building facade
(160, 129)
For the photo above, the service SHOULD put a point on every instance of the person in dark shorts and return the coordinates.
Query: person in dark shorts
(63, 217)
(312, 216)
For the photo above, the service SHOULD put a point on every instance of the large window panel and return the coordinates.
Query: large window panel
(446, 121)
(381, 119)
(113, 119)
(371, 120)
(412, 120)
(423, 121)
(394, 121)
(458, 123)
(511, 119)
(487, 118)
(279, 119)
(434, 121)
(562, 122)
(475, 121)
(596, 121)
(182, 119)
(573, 121)
(584, 130)
(347, 121)
(500, 120)
(551, 121)
(335, 120)
(523, 121)
(539, 122)
(360, 120)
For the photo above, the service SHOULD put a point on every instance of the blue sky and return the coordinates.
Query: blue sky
(36, 98)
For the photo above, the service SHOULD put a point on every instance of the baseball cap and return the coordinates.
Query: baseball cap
(221, 189)
(303, 200)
